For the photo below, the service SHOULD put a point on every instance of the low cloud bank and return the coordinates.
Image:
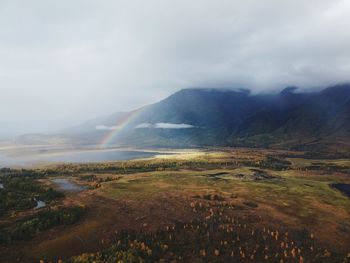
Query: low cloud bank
(164, 125)
(104, 127)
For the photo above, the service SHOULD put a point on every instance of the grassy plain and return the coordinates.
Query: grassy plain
(265, 190)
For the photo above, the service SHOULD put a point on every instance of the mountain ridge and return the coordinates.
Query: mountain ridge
(222, 117)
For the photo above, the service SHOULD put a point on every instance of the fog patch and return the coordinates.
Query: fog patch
(106, 128)
(164, 125)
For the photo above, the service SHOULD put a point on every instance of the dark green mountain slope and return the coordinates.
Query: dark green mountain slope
(226, 117)
(317, 120)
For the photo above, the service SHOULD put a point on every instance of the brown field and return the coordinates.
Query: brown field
(288, 200)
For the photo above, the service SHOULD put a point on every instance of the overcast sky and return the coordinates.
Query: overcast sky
(62, 62)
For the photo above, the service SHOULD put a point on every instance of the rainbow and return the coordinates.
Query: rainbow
(120, 125)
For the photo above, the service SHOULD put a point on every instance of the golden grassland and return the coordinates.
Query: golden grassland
(154, 194)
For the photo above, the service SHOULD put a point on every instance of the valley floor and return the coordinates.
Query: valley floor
(239, 205)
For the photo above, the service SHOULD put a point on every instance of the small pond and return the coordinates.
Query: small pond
(39, 204)
(68, 185)
(344, 188)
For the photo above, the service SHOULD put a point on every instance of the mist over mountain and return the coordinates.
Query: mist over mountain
(318, 120)
(63, 62)
(10, 130)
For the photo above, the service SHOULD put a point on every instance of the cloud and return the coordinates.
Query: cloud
(104, 127)
(164, 125)
(144, 126)
(63, 62)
